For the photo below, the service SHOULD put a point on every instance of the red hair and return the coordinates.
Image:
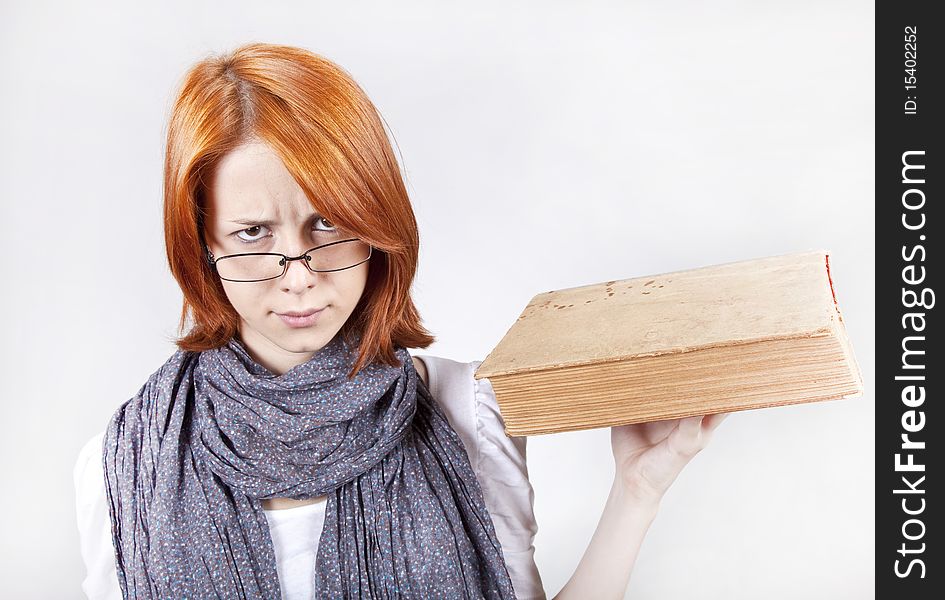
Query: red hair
(331, 139)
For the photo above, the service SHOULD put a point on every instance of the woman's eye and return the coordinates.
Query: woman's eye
(327, 222)
(251, 231)
(257, 232)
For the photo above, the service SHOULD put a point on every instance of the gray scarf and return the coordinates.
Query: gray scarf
(210, 434)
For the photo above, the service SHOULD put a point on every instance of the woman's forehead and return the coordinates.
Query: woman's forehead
(252, 184)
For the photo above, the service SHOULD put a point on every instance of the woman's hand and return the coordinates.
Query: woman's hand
(649, 456)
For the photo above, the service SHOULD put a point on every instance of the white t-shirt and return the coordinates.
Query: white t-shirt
(470, 407)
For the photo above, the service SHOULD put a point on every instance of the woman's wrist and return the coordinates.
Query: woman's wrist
(635, 498)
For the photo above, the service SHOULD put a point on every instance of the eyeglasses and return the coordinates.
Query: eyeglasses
(262, 266)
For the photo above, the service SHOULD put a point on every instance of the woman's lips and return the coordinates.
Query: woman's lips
(301, 319)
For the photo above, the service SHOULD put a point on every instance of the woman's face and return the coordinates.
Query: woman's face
(251, 186)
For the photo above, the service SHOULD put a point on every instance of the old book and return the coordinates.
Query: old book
(736, 336)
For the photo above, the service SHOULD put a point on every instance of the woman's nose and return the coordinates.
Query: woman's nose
(298, 277)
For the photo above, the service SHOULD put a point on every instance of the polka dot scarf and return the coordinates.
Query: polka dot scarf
(210, 434)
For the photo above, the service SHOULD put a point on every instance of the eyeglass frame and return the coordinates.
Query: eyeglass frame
(285, 260)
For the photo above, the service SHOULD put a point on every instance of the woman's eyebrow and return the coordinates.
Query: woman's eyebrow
(265, 222)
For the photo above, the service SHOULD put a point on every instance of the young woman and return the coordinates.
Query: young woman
(291, 447)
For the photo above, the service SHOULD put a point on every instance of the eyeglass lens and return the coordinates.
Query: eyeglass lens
(336, 256)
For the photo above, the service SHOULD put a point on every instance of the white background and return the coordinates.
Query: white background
(545, 145)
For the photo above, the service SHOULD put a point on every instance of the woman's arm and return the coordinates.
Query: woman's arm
(648, 457)
(604, 570)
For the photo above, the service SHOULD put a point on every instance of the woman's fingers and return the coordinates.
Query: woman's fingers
(712, 421)
(692, 434)
(686, 439)
(691, 426)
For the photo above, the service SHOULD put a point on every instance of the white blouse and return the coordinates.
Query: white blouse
(470, 407)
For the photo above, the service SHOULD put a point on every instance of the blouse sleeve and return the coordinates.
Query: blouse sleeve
(95, 537)
(498, 461)
(507, 490)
